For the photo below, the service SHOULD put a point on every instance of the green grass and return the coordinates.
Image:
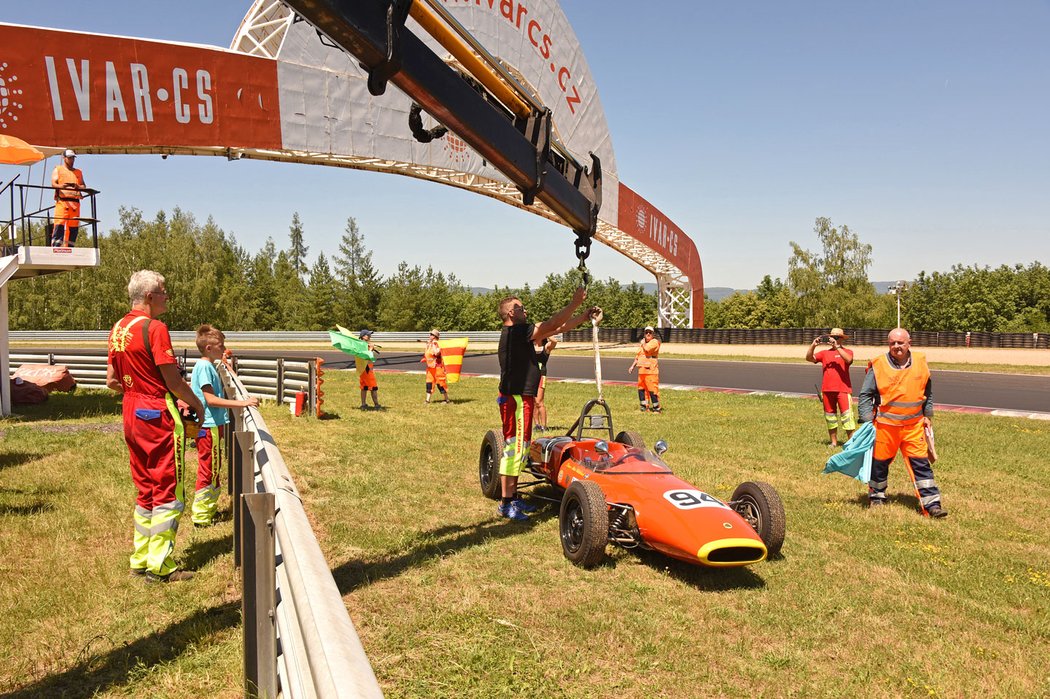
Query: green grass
(451, 601)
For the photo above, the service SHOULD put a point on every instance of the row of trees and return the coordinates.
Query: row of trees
(831, 288)
(213, 279)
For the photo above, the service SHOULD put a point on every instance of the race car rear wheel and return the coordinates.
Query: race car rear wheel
(760, 505)
(584, 524)
(631, 439)
(488, 464)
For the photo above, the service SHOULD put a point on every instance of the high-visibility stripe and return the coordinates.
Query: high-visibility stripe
(899, 418)
(879, 485)
(929, 500)
(925, 483)
(905, 404)
(178, 436)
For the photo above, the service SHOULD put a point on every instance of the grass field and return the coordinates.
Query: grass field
(451, 601)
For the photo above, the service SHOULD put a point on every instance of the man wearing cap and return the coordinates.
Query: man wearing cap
(366, 374)
(835, 388)
(898, 396)
(648, 370)
(67, 182)
(436, 375)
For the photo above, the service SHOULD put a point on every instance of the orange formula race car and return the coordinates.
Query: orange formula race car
(616, 490)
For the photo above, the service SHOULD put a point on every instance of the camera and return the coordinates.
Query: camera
(825, 339)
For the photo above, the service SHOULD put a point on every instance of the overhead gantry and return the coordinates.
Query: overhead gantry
(495, 98)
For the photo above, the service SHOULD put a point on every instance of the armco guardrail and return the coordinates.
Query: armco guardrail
(319, 653)
(716, 336)
(270, 378)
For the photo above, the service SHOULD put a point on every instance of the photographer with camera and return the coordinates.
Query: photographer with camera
(142, 366)
(836, 391)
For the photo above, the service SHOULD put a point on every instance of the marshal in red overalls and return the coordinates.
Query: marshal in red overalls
(154, 433)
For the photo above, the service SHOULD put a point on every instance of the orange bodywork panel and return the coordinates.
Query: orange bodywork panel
(672, 515)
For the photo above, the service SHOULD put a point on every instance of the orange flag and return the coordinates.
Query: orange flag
(452, 352)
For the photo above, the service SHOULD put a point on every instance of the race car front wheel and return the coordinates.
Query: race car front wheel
(584, 524)
(631, 439)
(488, 464)
(760, 505)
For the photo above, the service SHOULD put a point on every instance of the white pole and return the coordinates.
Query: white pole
(597, 358)
(897, 292)
(5, 358)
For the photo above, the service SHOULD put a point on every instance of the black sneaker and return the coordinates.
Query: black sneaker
(873, 503)
(936, 511)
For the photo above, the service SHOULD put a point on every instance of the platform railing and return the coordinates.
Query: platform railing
(18, 226)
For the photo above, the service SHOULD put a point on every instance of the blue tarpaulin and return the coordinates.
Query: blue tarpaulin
(855, 458)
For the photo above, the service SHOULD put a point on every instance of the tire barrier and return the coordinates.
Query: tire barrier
(708, 336)
(804, 336)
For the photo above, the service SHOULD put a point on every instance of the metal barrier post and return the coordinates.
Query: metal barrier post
(311, 387)
(280, 380)
(236, 425)
(259, 595)
(243, 474)
(228, 448)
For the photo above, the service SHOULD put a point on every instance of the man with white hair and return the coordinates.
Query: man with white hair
(142, 366)
(899, 387)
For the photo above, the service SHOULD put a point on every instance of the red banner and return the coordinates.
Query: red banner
(81, 90)
(648, 225)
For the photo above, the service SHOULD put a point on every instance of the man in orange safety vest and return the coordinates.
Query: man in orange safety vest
(67, 181)
(648, 370)
(899, 388)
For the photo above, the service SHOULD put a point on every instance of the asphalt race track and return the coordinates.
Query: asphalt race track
(1026, 393)
(1020, 392)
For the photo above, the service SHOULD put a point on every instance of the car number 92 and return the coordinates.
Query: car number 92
(692, 499)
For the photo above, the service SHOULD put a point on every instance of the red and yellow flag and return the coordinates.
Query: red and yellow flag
(452, 352)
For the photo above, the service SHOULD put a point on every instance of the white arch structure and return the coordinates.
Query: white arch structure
(281, 92)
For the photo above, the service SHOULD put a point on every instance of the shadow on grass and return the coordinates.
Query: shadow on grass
(436, 543)
(201, 552)
(69, 406)
(900, 499)
(33, 508)
(96, 674)
(456, 401)
(17, 458)
(701, 577)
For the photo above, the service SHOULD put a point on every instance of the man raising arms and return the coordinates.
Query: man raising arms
(519, 383)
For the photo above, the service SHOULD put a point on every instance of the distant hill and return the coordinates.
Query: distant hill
(717, 293)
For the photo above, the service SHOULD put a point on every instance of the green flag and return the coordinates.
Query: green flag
(353, 346)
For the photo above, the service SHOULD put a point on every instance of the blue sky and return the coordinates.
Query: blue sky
(923, 126)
